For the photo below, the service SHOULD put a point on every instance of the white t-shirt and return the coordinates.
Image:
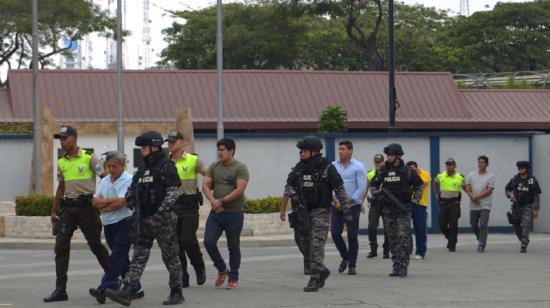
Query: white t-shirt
(479, 182)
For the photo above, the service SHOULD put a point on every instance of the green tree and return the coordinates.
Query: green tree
(511, 37)
(57, 19)
(333, 120)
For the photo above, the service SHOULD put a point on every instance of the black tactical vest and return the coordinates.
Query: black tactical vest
(313, 182)
(152, 186)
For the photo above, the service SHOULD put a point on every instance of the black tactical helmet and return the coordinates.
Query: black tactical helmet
(394, 148)
(311, 143)
(523, 164)
(150, 138)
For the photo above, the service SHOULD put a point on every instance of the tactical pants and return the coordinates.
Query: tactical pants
(448, 222)
(523, 215)
(87, 219)
(165, 234)
(375, 213)
(396, 224)
(312, 242)
(479, 220)
(186, 229)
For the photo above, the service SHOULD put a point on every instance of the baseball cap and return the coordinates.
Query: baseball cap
(173, 136)
(378, 157)
(65, 131)
(450, 161)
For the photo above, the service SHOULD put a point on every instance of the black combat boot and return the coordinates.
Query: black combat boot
(343, 266)
(324, 275)
(351, 270)
(373, 253)
(201, 275)
(184, 282)
(123, 296)
(57, 295)
(313, 285)
(523, 248)
(174, 298)
(386, 253)
(99, 295)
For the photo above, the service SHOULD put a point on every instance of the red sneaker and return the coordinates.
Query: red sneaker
(221, 278)
(232, 284)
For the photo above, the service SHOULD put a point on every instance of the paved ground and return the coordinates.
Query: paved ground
(271, 277)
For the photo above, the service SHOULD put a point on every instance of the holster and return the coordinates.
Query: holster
(292, 219)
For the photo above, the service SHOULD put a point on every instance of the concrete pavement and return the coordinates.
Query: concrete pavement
(271, 277)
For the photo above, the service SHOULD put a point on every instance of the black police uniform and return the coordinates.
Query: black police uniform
(153, 192)
(401, 183)
(527, 192)
(310, 185)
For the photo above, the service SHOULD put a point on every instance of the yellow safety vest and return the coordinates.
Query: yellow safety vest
(187, 167)
(450, 183)
(76, 168)
(371, 174)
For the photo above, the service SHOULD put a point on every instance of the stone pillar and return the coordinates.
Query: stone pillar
(184, 124)
(49, 127)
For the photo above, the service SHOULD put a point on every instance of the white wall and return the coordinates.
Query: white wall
(16, 165)
(541, 153)
(503, 154)
(269, 160)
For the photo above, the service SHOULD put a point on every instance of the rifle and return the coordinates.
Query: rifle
(384, 194)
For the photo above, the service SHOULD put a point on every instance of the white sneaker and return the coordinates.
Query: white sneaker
(419, 257)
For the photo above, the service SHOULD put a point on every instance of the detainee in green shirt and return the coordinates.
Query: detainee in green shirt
(224, 187)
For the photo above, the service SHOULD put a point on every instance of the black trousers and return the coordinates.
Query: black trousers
(375, 213)
(448, 221)
(186, 229)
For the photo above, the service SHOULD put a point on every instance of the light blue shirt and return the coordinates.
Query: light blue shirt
(117, 189)
(354, 176)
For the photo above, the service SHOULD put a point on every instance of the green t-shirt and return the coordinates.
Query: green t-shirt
(224, 181)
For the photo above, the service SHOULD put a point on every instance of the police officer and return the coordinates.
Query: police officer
(188, 166)
(154, 191)
(76, 176)
(524, 192)
(375, 213)
(396, 186)
(447, 186)
(310, 186)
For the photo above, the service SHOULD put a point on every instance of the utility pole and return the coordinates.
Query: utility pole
(391, 69)
(37, 130)
(219, 68)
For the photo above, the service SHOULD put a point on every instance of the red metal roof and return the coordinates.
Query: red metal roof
(259, 99)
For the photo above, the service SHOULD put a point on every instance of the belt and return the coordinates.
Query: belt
(80, 201)
(446, 201)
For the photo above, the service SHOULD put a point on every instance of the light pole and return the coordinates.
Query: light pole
(219, 69)
(391, 68)
(37, 131)
(119, 84)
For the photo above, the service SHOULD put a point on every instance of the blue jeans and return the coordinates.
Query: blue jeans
(232, 224)
(336, 229)
(119, 237)
(419, 218)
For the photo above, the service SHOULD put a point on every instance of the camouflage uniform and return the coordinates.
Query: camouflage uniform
(310, 186)
(402, 183)
(527, 192)
(154, 190)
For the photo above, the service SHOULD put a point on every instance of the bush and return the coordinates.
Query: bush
(333, 120)
(33, 205)
(265, 205)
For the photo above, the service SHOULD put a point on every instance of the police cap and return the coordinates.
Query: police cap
(311, 143)
(150, 138)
